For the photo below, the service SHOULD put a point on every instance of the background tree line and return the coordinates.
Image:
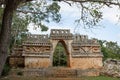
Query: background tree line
(59, 56)
(110, 49)
(37, 11)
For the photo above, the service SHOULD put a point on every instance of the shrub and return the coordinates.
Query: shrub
(20, 73)
(6, 70)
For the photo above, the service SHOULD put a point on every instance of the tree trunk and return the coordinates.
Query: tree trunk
(5, 33)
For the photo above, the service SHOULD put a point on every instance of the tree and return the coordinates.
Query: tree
(60, 56)
(6, 30)
(90, 10)
(110, 49)
(92, 17)
(9, 9)
(19, 31)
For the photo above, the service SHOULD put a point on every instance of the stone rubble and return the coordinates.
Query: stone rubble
(111, 68)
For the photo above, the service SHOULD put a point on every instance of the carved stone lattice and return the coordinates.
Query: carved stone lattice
(34, 38)
(61, 34)
(37, 50)
(82, 46)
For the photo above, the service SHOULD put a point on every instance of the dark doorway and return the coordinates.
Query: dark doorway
(60, 55)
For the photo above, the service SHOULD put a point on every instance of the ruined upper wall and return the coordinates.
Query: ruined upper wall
(35, 39)
(17, 50)
(82, 40)
(84, 47)
(61, 34)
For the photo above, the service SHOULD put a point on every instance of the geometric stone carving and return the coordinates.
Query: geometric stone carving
(82, 46)
(37, 50)
(61, 34)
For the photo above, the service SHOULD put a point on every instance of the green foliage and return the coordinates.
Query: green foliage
(110, 49)
(6, 70)
(38, 12)
(19, 28)
(43, 27)
(59, 57)
(20, 73)
(90, 15)
(35, 12)
(99, 78)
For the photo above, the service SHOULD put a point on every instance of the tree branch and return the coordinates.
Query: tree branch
(4, 1)
(106, 2)
(25, 12)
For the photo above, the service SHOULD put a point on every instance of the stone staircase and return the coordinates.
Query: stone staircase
(58, 72)
(51, 72)
(61, 72)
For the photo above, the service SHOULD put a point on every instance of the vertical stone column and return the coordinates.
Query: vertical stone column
(54, 43)
(69, 49)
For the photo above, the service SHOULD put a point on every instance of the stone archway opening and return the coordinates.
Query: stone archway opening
(61, 55)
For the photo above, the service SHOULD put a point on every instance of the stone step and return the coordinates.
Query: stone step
(57, 72)
(51, 72)
(61, 72)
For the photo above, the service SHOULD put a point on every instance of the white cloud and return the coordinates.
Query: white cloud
(69, 11)
(67, 8)
(69, 14)
(118, 35)
(111, 14)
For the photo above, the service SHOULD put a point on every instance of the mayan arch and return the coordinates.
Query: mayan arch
(37, 51)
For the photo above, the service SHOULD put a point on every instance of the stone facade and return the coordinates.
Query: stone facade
(16, 59)
(86, 62)
(37, 62)
(37, 51)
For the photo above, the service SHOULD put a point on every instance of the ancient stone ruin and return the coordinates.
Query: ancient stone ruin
(37, 51)
(111, 68)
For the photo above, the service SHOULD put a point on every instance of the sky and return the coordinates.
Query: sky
(109, 30)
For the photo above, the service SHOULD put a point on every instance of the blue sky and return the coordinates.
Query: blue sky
(110, 29)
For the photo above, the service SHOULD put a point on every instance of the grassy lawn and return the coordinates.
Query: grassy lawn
(100, 78)
(40, 78)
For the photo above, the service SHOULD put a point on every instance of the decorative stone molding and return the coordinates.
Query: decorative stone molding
(37, 50)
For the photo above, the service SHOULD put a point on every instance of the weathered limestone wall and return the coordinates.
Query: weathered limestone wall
(16, 62)
(37, 51)
(36, 62)
(86, 63)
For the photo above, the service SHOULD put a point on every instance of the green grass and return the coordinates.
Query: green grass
(39, 78)
(100, 78)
